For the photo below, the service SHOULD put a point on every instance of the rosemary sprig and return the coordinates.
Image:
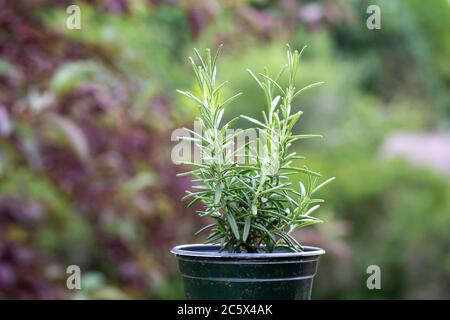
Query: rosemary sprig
(253, 205)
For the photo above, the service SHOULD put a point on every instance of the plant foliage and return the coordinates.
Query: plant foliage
(253, 204)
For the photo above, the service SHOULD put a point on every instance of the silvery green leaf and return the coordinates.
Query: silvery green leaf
(312, 209)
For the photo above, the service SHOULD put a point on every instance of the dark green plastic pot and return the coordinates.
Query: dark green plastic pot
(210, 274)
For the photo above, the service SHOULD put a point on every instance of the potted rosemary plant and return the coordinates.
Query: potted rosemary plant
(250, 252)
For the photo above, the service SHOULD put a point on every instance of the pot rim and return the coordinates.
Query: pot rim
(212, 251)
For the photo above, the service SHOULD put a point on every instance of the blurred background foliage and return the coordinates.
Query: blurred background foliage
(86, 118)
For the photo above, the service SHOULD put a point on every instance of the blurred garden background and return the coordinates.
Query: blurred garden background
(86, 118)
